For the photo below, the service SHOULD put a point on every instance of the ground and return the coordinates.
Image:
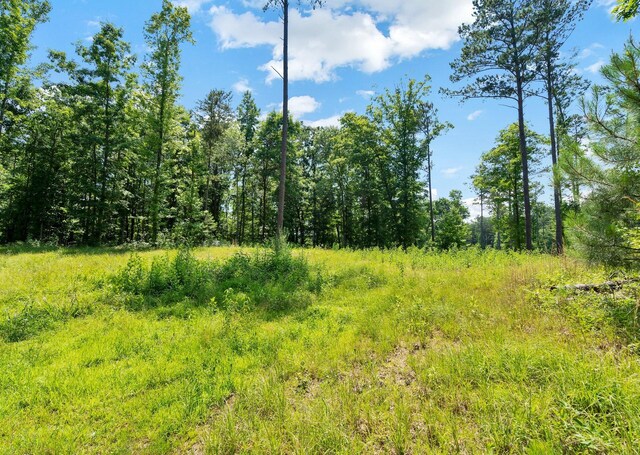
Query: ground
(374, 352)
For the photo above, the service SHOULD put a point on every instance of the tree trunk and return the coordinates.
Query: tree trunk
(3, 105)
(557, 194)
(525, 166)
(482, 245)
(285, 118)
(433, 224)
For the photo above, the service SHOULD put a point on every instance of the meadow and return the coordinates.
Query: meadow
(223, 350)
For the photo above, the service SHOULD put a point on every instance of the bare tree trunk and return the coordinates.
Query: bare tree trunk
(482, 245)
(557, 195)
(433, 224)
(525, 167)
(285, 117)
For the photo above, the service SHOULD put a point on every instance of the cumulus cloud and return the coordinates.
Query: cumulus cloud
(473, 205)
(193, 5)
(474, 115)
(368, 35)
(302, 105)
(242, 86)
(324, 122)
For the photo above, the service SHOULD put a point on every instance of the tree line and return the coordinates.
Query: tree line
(514, 51)
(96, 154)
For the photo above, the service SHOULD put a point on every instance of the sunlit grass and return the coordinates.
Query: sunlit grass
(393, 352)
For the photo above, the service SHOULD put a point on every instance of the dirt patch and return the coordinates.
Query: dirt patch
(396, 368)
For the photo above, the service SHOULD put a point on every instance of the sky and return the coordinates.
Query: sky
(341, 56)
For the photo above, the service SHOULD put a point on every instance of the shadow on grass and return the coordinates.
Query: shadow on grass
(33, 320)
(17, 248)
(618, 311)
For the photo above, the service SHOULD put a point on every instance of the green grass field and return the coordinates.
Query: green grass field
(360, 352)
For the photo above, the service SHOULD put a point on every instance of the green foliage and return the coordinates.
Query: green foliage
(450, 215)
(164, 33)
(18, 20)
(498, 178)
(607, 222)
(275, 280)
(499, 56)
(626, 9)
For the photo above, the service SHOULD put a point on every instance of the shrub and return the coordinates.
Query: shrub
(276, 280)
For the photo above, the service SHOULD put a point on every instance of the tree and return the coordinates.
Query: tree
(499, 176)
(34, 196)
(315, 163)
(482, 185)
(451, 214)
(248, 117)
(498, 52)
(607, 225)
(164, 33)
(431, 128)
(557, 20)
(360, 157)
(626, 9)
(18, 20)
(283, 5)
(100, 93)
(400, 116)
(214, 116)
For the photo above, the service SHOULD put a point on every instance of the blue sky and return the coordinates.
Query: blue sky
(340, 56)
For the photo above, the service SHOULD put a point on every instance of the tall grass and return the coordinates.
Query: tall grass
(224, 350)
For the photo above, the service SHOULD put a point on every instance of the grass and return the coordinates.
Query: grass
(230, 351)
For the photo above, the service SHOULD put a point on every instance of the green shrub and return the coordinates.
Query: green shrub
(275, 280)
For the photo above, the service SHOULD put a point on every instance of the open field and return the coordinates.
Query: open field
(364, 352)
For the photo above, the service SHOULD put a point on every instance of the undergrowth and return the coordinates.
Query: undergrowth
(273, 280)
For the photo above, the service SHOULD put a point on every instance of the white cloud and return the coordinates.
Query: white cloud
(589, 51)
(450, 172)
(242, 30)
(474, 115)
(595, 67)
(474, 207)
(369, 39)
(366, 94)
(192, 5)
(242, 86)
(302, 105)
(324, 122)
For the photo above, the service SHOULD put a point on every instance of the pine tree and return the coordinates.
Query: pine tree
(498, 53)
(557, 20)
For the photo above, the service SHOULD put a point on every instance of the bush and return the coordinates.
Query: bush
(276, 280)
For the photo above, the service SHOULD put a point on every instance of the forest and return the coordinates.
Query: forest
(94, 154)
(227, 279)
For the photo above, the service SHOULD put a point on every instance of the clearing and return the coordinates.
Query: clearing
(338, 352)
